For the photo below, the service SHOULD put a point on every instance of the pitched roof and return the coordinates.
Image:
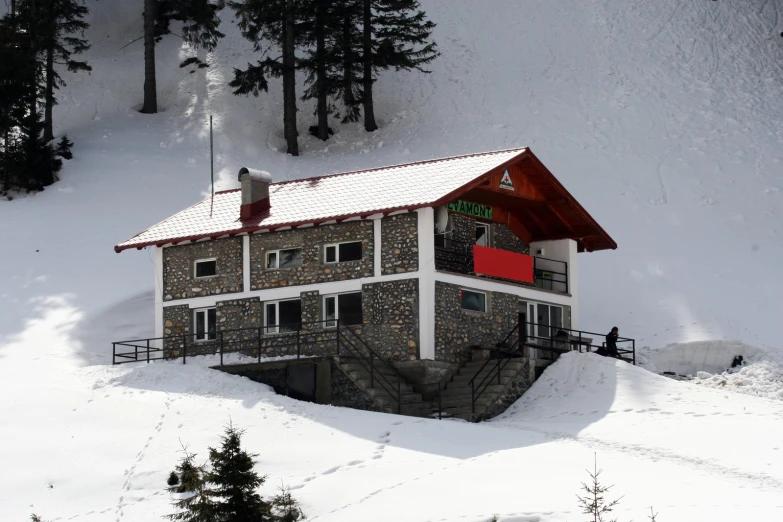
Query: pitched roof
(331, 198)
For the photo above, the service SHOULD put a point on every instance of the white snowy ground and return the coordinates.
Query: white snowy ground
(663, 118)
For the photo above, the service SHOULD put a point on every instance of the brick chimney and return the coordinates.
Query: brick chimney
(255, 192)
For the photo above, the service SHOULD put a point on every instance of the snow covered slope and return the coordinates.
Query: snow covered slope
(96, 443)
(663, 118)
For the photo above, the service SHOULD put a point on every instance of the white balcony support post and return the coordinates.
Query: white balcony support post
(426, 240)
(158, 285)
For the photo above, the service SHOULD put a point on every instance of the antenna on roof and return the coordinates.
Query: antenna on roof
(211, 167)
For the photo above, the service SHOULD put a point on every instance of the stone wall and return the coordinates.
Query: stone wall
(313, 269)
(390, 317)
(346, 394)
(400, 244)
(179, 278)
(176, 322)
(514, 390)
(456, 330)
(504, 239)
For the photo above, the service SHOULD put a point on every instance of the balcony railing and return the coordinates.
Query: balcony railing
(457, 256)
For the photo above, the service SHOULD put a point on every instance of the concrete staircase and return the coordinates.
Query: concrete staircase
(383, 388)
(456, 397)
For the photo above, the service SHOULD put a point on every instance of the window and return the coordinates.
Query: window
(482, 234)
(347, 308)
(473, 301)
(282, 316)
(289, 258)
(205, 268)
(544, 319)
(343, 252)
(205, 320)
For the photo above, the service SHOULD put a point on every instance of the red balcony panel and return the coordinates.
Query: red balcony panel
(502, 263)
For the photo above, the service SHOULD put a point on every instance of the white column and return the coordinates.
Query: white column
(376, 228)
(426, 237)
(573, 282)
(246, 263)
(158, 264)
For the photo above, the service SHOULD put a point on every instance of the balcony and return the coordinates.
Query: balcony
(503, 265)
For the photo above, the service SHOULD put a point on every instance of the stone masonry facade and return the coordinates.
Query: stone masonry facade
(456, 330)
(500, 235)
(311, 241)
(400, 244)
(390, 317)
(179, 277)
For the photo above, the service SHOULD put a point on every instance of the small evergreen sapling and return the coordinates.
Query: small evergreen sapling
(233, 481)
(594, 503)
(285, 508)
(64, 148)
(190, 492)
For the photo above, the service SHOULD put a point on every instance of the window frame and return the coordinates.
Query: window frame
(205, 310)
(277, 258)
(336, 298)
(486, 300)
(204, 260)
(336, 247)
(534, 328)
(269, 330)
(488, 235)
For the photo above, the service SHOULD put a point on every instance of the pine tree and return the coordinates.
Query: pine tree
(594, 503)
(396, 35)
(28, 161)
(234, 483)
(200, 29)
(62, 20)
(349, 49)
(285, 508)
(64, 148)
(190, 492)
(318, 26)
(270, 25)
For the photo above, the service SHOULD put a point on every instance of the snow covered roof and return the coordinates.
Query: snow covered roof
(331, 198)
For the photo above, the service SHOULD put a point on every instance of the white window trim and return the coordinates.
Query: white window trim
(486, 301)
(337, 252)
(276, 328)
(205, 260)
(336, 306)
(277, 252)
(488, 228)
(206, 338)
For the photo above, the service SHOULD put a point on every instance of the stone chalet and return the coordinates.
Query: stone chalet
(426, 275)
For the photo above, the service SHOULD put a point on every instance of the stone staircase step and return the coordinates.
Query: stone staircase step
(464, 380)
(465, 391)
(356, 367)
(465, 401)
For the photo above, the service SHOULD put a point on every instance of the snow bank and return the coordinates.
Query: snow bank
(708, 363)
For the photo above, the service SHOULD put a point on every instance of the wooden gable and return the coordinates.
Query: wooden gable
(526, 197)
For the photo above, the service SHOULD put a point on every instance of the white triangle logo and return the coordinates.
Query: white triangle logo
(505, 181)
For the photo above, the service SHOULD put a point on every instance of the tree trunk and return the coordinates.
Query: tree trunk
(369, 113)
(150, 87)
(320, 57)
(289, 82)
(49, 97)
(348, 98)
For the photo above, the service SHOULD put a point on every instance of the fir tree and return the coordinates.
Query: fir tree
(349, 49)
(64, 148)
(318, 20)
(396, 35)
(234, 483)
(200, 24)
(285, 508)
(271, 26)
(594, 502)
(61, 22)
(190, 492)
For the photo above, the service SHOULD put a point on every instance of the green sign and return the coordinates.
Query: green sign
(471, 209)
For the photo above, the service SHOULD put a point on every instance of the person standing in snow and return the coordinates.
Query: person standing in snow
(611, 343)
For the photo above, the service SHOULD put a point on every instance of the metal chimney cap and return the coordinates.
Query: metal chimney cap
(255, 175)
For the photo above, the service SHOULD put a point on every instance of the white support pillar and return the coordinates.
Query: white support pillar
(376, 228)
(246, 263)
(573, 282)
(426, 239)
(158, 263)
